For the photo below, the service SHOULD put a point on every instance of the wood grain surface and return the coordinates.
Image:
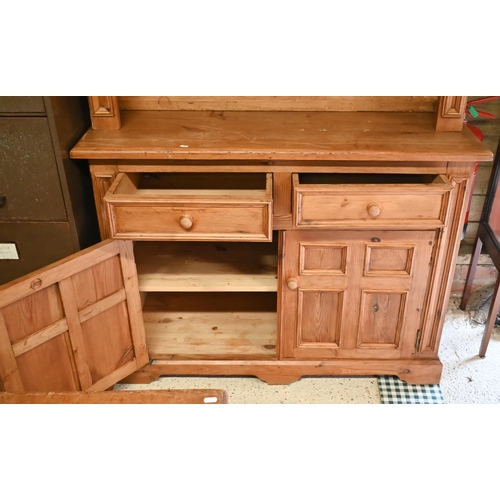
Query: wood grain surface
(274, 135)
(173, 396)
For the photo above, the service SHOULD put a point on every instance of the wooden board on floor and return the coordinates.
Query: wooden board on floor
(173, 396)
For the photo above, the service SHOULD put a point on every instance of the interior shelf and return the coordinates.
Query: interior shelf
(211, 326)
(207, 266)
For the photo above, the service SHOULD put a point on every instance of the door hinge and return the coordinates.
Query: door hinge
(419, 338)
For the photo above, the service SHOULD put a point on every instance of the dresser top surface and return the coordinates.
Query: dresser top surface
(279, 135)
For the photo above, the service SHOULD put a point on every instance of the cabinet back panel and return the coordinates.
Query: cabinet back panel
(280, 103)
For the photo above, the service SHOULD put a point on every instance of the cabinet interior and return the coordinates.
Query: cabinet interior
(185, 266)
(217, 325)
(209, 300)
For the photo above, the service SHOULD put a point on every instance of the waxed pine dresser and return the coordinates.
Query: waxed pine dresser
(272, 237)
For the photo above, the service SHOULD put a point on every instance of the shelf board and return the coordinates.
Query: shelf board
(278, 135)
(211, 326)
(206, 266)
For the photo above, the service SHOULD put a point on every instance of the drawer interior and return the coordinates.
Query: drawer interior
(192, 182)
(347, 178)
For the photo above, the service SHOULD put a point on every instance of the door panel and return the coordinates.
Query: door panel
(74, 325)
(323, 322)
(353, 294)
(48, 367)
(382, 317)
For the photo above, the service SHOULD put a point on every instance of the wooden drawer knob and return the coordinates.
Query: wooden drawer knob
(186, 221)
(373, 210)
(292, 284)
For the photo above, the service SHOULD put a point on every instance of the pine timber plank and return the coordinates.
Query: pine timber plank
(39, 337)
(240, 135)
(9, 370)
(134, 304)
(280, 103)
(211, 335)
(284, 372)
(69, 300)
(172, 396)
(211, 325)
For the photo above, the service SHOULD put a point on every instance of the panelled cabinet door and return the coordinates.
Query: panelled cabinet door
(74, 325)
(353, 294)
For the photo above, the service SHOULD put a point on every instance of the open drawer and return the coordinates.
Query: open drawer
(370, 200)
(191, 206)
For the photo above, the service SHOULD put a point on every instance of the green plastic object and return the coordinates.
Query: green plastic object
(473, 112)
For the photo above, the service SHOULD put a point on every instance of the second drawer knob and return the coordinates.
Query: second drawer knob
(373, 210)
(186, 221)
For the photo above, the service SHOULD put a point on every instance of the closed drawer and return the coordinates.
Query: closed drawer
(191, 206)
(30, 188)
(22, 104)
(370, 200)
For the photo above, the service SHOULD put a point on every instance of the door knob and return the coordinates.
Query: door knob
(373, 210)
(186, 221)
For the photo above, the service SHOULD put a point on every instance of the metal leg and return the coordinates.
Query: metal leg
(490, 322)
(478, 245)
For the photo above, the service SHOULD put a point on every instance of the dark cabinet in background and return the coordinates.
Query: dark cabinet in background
(46, 203)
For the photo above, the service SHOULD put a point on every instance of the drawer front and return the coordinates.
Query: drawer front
(30, 188)
(189, 214)
(195, 222)
(22, 104)
(370, 205)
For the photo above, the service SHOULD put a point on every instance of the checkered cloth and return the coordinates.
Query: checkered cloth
(396, 392)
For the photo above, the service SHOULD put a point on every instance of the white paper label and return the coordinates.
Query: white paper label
(8, 251)
(210, 400)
